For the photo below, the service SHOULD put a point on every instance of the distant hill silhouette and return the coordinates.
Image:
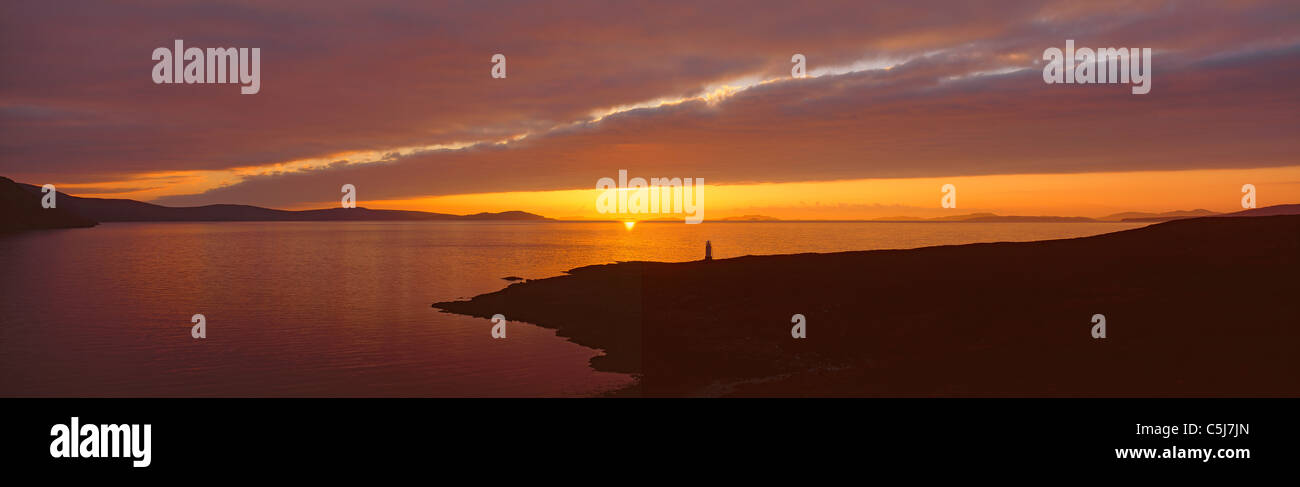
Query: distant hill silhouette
(504, 215)
(1128, 216)
(1139, 216)
(123, 210)
(20, 209)
(1027, 219)
(988, 218)
(1269, 211)
(749, 218)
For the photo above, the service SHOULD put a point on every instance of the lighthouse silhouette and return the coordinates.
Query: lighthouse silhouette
(708, 250)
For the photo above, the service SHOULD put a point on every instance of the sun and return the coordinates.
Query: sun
(629, 224)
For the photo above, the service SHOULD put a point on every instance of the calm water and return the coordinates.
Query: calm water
(342, 308)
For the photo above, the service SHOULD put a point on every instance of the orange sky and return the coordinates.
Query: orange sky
(897, 102)
(1091, 194)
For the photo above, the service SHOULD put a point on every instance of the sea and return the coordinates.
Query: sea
(325, 309)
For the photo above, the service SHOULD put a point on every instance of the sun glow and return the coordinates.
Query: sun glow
(1077, 194)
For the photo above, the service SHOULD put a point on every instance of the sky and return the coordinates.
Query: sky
(901, 98)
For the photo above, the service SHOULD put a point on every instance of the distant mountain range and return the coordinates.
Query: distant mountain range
(20, 209)
(1131, 216)
(990, 217)
(1138, 216)
(1128, 216)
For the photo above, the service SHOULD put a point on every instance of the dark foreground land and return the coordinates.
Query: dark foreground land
(1199, 307)
(20, 209)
